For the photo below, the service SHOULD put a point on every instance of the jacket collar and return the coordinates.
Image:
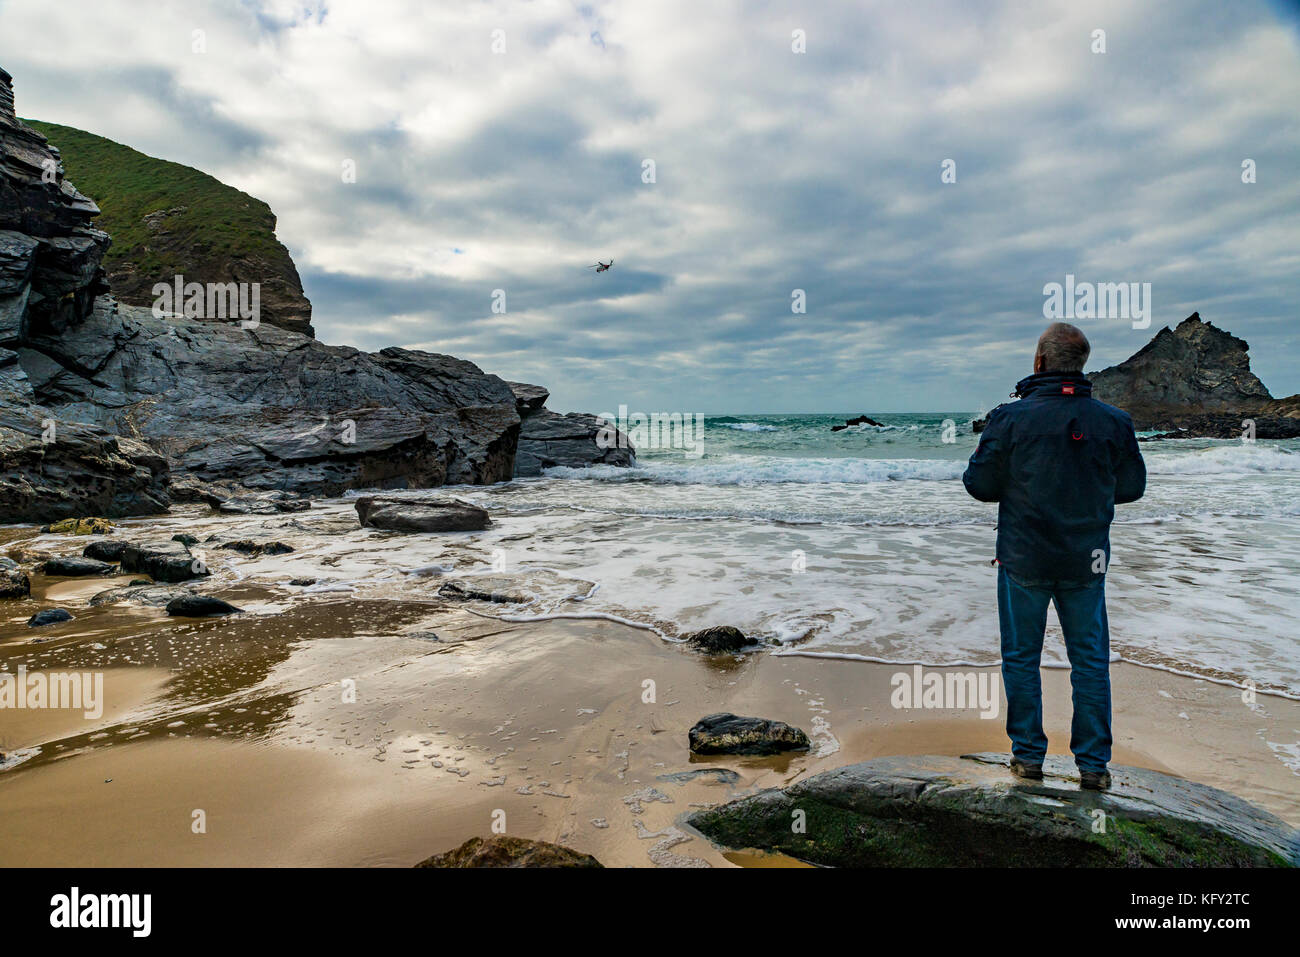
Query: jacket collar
(1053, 383)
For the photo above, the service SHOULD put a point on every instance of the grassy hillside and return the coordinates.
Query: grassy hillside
(166, 218)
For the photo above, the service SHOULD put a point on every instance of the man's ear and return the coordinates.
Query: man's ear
(1038, 362)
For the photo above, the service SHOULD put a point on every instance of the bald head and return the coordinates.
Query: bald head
(1062, 348)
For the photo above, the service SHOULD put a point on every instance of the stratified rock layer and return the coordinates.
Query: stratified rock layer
(933, 811)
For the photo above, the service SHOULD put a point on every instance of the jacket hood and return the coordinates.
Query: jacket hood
(1053, 383)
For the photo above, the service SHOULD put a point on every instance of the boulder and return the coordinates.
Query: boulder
(164, 562)
(718, 640)
(938, 811)
(75, 565)
(732, 734)
(419, 514)
(49, 616)
(14, 582)
(106, 551)
(528, 398)
(548, 439)
(200, 606)
(503, 851)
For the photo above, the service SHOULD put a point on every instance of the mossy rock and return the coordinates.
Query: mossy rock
(502, 851)
(937, 811)
(82, 526)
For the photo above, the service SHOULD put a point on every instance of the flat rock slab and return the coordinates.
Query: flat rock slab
(733, 734)
(155, 596)
(503, 851)
(939, 811)
(484, 588)
(75, 565)
(420, 514)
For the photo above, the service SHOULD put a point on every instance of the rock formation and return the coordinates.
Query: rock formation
(53, 465)
(935, 811)
(249, 420)
(1196, 377)
(548, 439)
(504, 851)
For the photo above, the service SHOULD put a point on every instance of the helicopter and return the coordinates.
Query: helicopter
(600, 266)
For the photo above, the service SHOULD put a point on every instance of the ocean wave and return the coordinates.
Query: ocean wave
(1243, 459)
(761, 470)
(747, 426)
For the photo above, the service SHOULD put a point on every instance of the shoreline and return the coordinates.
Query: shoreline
(544, 721)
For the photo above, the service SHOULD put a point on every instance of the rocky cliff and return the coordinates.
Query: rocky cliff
(102, 400)
(168, 219)
(1196, 377)
(53, 466)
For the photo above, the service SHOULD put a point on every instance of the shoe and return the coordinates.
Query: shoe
(1023, 769)
(1094, 780)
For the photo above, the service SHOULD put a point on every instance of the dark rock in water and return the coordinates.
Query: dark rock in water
(977, 425)
(106, 551)
(256, 549)
(576, 440)
(860, 420)
(933, 811)
(302, 582)
(165, 562)
(200, 606)
(731, 734)
(141, 593)
(185, 540)
(50, 616)
(74, 565)
(1195, 377)
(14, 583)
(719, 639)
(483, 588)
(420, 514)
(502, 851)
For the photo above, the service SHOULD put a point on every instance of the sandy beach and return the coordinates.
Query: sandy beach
(568, 730)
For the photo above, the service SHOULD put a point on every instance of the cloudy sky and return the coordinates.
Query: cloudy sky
(511, 160)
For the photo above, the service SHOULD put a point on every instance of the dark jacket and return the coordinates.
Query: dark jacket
(1057, 462)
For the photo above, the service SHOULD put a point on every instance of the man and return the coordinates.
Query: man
(1057, 462)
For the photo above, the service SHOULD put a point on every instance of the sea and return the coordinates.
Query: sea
(858, 544)
(862, 543)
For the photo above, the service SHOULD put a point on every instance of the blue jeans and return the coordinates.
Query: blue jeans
(1022, 614)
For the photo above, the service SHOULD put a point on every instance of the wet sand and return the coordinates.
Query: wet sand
(327, 730)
